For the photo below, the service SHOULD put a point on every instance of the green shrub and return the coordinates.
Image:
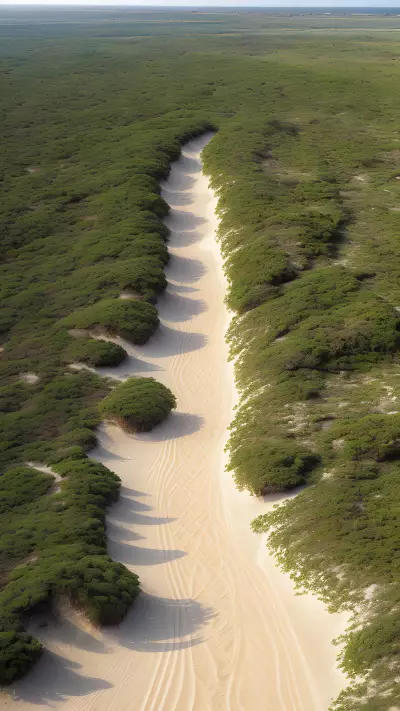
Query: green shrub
(95, 352)
(375, 437)
(262, 264)
(21, 485)
(134, 320)
(101, 587)
(88, 483)
(68, 535)
(270, 465)
(80, 436)
(139, 404)
(143, 276)
(18, 653)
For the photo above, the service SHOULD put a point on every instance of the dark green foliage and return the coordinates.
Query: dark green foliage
(271, 465)
(265, 267)
(47, 420)
(143, 276)
(346, 337)
(94, 583)
(67, 533)
(139, 404)
(134, 320)
(374, 437)
(18, 652)
(89, 483)
(95, 352)
(22, 485)
(13, 396)
(102, 588)
(367, 646)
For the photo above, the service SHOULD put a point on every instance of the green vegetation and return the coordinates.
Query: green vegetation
(17, 654)
(60, 537)
(134, 320)
(271, 465)
(139, 404)
(94, 352)
(305, 161)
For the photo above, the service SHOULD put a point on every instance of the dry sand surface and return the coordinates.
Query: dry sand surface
(217, 627)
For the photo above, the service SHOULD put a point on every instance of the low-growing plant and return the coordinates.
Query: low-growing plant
(138, 404)
(95, 352)
(67, 533)
(269, 465)
(134, 320)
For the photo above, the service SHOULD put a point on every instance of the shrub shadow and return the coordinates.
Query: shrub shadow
(176, 308)
(156, 624)
(179, 180)
(138, 555)
(53, 680)
(178, 196)
(130, 365)
(125, 511)
(187, 165)
(116, 532)
(177, 424)
(184, 238)
(185, 270)
(173, 287)
(183, 221)
(169, 342)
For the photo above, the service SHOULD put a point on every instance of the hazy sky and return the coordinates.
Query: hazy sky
(215, 3)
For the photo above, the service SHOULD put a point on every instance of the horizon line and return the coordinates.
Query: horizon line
(55, 3)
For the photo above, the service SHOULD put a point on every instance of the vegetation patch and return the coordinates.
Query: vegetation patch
(67, 533)
(270, 465)
(139, 404)
(95, 352)
(135, 321)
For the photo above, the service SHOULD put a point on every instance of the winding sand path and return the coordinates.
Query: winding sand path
(217, 627)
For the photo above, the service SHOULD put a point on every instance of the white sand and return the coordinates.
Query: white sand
(56, 487)
(30, 378)
(217, 627)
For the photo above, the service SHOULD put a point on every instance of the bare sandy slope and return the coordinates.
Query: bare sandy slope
(217, 627)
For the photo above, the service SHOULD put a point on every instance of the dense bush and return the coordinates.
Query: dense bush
(374, 437)
(67, 532)
(266, 267)
(22, 485)
(139, 404)
(93, 582)
(18, 652)
(101, 587)
(95, 352)
(134, 320)
(143, 276)
(271, 465)
(43, 427)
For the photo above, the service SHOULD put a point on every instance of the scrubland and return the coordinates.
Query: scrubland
(306, 164)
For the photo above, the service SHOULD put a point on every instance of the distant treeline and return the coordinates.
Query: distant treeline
(305, 162)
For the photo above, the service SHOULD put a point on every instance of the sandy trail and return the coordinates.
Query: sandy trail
(217, 627)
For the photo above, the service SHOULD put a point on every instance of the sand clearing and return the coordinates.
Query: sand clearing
(30, 378)
(217, 627)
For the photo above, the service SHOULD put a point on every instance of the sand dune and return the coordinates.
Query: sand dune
(218, 627)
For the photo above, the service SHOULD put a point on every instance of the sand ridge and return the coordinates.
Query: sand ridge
(217, 627)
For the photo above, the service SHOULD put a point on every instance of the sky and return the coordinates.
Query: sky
(214, 3)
